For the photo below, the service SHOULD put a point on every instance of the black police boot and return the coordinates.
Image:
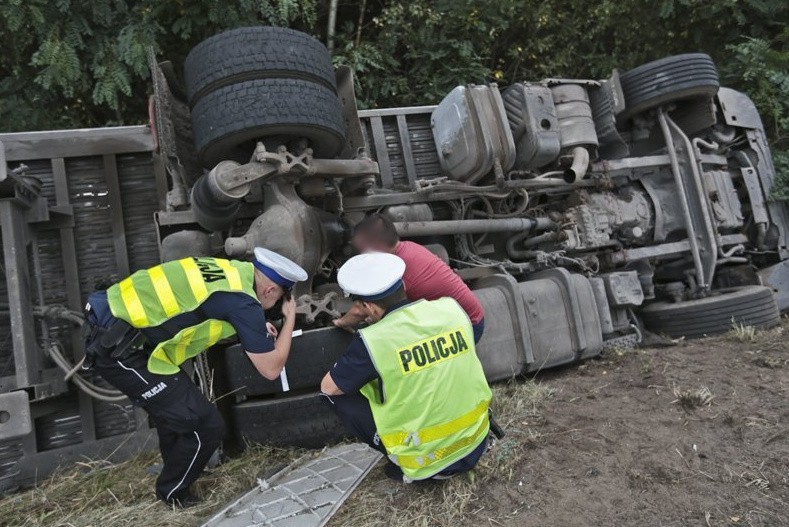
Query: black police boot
(392, 471)
(184, 500)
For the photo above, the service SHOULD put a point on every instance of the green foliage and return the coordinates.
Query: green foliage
(781, 188)
(70, 63)
(73, 63)
(761, 68)
(422, 49)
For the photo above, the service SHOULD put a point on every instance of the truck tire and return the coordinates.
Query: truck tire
(250, 53)
(304, 421)
(227, 122)
(311, 356)
(713, 315)
(676, 78)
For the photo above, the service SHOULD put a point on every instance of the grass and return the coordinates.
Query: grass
(742, 332)
(517, 407)
(689, 400)
(98, 493)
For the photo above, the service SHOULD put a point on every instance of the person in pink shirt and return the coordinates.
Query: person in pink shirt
(426, 275)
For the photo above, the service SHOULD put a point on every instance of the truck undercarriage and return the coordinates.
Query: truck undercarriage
(581, 212)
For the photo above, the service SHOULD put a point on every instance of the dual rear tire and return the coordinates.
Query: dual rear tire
(268, 84)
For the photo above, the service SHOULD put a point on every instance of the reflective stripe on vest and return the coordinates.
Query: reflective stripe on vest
(164, 291)
(433, 433)
(416, 462)
(196, 282)
(186, 344)
(433, 407)
(152, 296)
(133, 304)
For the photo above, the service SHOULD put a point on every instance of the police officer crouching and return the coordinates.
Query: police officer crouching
(410, 385)
(140, 330)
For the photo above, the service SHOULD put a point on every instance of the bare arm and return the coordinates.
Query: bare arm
(329, 387)
(270, 364)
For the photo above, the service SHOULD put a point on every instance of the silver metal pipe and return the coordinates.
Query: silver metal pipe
(448, 227)
(580, 165)
(704, 201)
(683, 197)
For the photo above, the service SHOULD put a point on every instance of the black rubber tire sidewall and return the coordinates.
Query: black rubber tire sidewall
(675, 78)
(713, 315)
(227, 122)
(304, 421)
(250, 53)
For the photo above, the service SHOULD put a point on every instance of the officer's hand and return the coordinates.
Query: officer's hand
(272, 329)
(340, 323)
(289, 309)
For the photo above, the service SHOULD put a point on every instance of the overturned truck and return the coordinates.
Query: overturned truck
(581, 212)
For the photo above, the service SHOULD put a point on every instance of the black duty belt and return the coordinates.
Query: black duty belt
(118, 341)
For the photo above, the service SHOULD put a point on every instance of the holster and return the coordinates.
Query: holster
(118, 341)
(91, 337)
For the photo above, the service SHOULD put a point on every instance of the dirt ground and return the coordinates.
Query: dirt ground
(693, 434)
(696, 433)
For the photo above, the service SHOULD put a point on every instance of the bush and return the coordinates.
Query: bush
(761, 69)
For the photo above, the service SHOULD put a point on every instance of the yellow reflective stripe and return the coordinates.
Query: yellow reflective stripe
(214, 331)
(132, 303)
(195, 278)
(183, 343)
(231, 273)
(163, 291)
(417, 462)
(432, 433)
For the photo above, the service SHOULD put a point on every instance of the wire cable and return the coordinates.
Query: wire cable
(56, 353)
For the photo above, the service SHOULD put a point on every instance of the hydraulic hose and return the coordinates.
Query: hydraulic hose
(97, 392)
(540, 224)
(55, 351)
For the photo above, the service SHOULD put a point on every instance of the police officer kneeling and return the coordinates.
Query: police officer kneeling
(410, 385)
(140, 330)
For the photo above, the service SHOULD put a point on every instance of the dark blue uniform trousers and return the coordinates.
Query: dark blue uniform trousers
(190, 428)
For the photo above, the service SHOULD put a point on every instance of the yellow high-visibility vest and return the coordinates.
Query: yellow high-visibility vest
(431, 408)
(152, 296)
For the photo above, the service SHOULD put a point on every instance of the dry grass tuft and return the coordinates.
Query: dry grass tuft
(99, 493)
(420, 505)
(689, 400)
(742, 332)
(517, 408)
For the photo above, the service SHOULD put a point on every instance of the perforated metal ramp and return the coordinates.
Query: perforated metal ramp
(305, 494)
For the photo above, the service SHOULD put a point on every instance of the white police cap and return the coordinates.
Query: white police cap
(279, 269)
(371, 276)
